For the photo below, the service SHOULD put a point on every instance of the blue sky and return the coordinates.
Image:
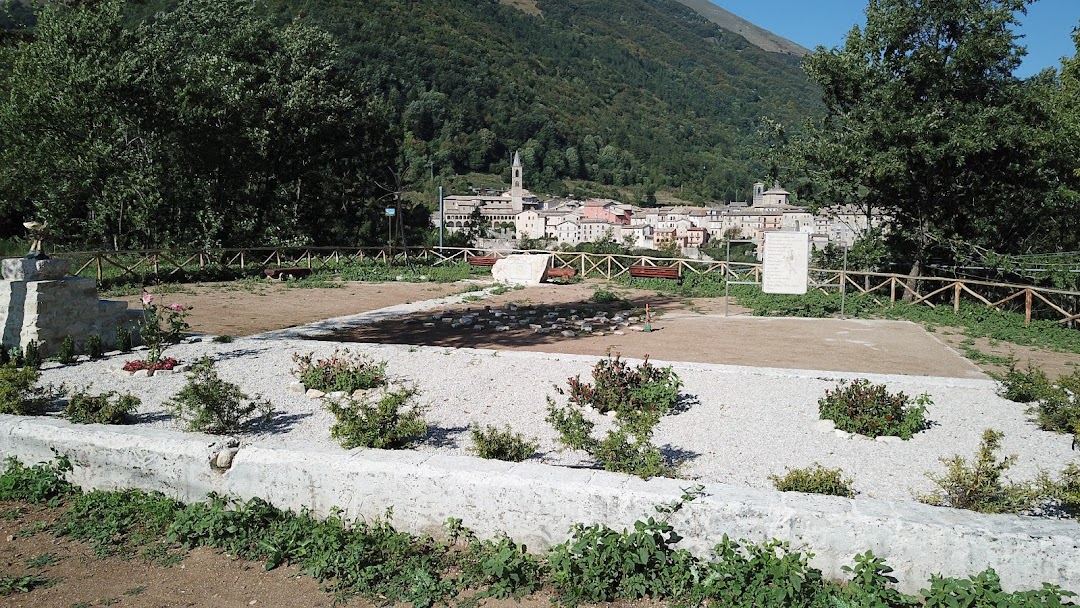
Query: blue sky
(1047, 27)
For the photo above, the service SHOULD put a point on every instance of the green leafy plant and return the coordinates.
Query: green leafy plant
(123, 339)
(984, 589)
(979, 486)
(94, 348)
(66, 353)
(814, 480)
(390, 422)
(124, 523)
(599, 564)
(107, 408)
(20, 393)
(870, 409)
(642, 393)
(10, 585)
(41, 483)
(343, 371)
(209, 404)
(504, 444)
(871, 584)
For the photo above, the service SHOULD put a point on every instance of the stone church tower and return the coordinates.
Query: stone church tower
(517, 188)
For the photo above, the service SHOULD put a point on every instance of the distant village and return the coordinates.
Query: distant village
(519, 214)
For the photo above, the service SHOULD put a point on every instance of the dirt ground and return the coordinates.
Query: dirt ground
(683, 330)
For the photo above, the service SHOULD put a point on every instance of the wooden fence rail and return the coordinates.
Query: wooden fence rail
(1059, 305)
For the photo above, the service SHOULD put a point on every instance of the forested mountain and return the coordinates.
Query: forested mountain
(758, 36)
(625, 92)
(286, 121)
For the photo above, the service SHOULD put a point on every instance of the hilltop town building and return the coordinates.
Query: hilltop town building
(573, 222)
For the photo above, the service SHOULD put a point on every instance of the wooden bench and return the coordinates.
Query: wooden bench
(295, 272)
(482, 260)
(641, 271)
(559, 273)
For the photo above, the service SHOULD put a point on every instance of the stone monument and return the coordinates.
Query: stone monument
(521, 269)
(39, 302)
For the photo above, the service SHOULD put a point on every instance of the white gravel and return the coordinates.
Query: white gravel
(747, 423)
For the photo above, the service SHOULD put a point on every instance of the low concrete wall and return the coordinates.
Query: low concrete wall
(537, 504)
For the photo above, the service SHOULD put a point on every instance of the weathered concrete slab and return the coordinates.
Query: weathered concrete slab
(22, 269)
(537, 504)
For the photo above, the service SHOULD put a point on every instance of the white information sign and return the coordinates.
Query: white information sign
(785, 262)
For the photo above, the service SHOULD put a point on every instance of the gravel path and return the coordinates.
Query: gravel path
(746, 424)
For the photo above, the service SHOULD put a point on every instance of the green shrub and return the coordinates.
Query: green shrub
(640, 394)
(343, 371)
(124, 522)
(107, 408)
(491, 442)
(209, 404)
(123, 339)
(1058, 407)
(32, 355)
(1024, 386)
(1066, 492)
(392, 422)
(94, 349)
(626, 449)
(605, 296)
(19, 392)
(979, 486)
(871, 410)
(815, 480)
(42, 483)
(66, 353)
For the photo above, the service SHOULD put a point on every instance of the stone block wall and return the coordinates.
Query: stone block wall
(48, 311)
(536, 504)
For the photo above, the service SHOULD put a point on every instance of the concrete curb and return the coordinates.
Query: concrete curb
(537, 504)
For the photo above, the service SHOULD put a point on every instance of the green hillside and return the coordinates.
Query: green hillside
(643, 93)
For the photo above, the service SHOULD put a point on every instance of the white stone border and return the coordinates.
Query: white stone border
(536, 504)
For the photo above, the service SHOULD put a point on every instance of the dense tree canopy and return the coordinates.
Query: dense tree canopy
(206, 125)
(926, 121)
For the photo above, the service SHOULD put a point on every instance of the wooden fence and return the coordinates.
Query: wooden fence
(1059, 305)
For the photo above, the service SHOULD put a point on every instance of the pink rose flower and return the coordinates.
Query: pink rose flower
(177, 307)
(147, 299)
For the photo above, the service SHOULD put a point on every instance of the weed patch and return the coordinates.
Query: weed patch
(501, 444)
(814, 480)
(107, 408)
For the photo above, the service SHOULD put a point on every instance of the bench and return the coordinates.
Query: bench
(559, 273)
(482, 260)
(295, 272)
(641, 271)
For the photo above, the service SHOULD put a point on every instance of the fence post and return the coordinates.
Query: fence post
(308, 259)
(892, 290)
(1027, 306)
(100, 274)
(956, 297)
